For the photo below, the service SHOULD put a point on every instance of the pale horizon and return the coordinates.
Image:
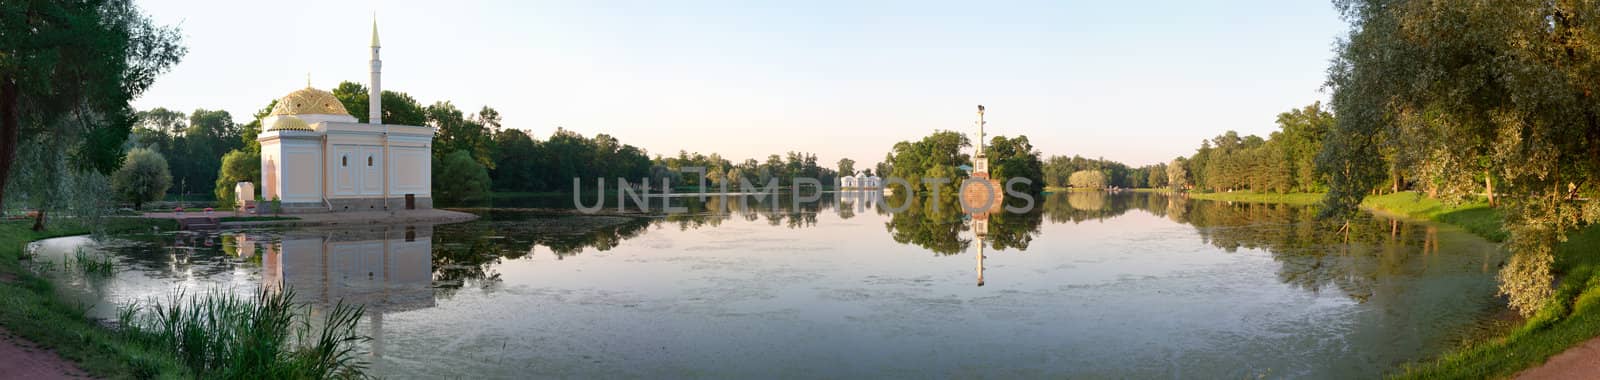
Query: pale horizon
(1138, 84)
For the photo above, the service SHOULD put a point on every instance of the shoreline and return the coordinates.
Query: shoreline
(393, 217)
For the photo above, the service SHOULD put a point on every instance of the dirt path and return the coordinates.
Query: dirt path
(20, 359)
(1580, 362)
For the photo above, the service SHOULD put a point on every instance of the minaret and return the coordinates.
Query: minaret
(375, 96)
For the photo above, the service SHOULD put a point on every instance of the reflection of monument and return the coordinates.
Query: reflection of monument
(974, 195)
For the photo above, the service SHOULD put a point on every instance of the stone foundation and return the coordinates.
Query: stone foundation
(344, 205)
(377, 204)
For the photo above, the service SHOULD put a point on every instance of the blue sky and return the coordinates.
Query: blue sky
(1138, 82)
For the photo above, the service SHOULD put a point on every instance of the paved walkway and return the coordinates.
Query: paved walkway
(21, 359)
(1579, 362)
(343, 218)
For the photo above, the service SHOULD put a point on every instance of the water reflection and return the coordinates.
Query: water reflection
(1085, 285)
(387, 269)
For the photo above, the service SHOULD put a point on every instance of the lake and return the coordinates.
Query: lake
(1138, 285)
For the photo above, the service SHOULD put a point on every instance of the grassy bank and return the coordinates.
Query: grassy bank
(215, 335)
(1476, 217)
(1569, 319)
(30, 308)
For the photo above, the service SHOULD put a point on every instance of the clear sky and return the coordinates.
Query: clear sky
(1138, 82)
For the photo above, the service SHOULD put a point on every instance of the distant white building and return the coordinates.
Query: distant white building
(860, 181)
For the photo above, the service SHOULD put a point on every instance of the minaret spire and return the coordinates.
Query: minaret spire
(375, 94)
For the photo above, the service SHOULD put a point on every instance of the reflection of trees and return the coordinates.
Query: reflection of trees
(1014, 230)
(465, 253)
(937, 224)
(1314, 255)
(932, 223)
(1079, 206)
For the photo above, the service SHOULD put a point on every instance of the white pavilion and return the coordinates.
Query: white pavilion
(316, 157)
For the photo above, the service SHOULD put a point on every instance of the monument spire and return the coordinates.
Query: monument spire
(375, 93)
(980, 161)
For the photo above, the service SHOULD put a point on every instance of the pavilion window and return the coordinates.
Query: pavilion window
(344, 161)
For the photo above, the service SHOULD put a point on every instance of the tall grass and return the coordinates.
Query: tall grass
(91, 264)
(221, 335)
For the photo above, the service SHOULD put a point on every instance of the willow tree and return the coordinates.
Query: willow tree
(1498, 97)
(68, 70)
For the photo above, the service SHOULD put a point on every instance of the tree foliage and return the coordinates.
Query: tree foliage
(847, 167)
(1015, 158)
(1178, 174)
(68, 71)
(458, 177)
(1283, 162)
(1089, 179)
(142, 178)
(936, 156)
(1449, 97)
(237, 166)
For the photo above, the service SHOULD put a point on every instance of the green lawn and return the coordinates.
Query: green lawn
(31, 309)
(1476, 217)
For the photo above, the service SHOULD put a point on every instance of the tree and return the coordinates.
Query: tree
(69, 69)
(1088, 179)
(142, 178)
(935, 156)
(400, 108)
(458, 178)
(516, 158)
(194, 154)
(1302, 133)
(847, 167)
(237, 166)
(1157, 176)
(1178, 174)
(1459, 96)
(457, 133)
(1015, 158)
(355, 98)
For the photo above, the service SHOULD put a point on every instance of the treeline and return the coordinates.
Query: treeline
(784, 169)
(944, 153)
(1284, 162)
(473, 153)
(191, 144)
(1059, 172)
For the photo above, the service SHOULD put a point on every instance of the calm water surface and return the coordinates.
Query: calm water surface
(1087, 285)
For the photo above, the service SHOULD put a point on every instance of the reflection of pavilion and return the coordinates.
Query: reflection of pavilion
(385, 269)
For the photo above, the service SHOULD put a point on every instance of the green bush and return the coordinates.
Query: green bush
(142, 178)
(457, 177)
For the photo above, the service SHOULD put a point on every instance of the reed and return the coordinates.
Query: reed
(91, 264)
(225, 336)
